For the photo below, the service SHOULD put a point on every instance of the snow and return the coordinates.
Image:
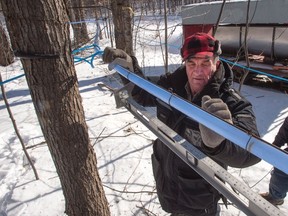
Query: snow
(122, 144)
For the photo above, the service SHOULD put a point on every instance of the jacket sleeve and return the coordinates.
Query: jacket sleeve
(139, 95)
(282, 135)
(243, 117)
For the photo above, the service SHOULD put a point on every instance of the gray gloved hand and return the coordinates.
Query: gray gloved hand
(217, 107)
(117, 56)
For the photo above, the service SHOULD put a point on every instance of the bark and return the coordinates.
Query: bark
(40, 33)
(6, 53)
(122, 18)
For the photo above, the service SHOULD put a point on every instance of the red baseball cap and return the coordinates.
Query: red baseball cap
(200, 43)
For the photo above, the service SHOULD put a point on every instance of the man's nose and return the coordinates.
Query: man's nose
(198, 69)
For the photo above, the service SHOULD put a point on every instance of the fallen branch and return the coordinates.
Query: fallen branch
(129, 192)
(38, 144)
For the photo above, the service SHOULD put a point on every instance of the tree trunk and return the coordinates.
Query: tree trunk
(77, 15)
(40, 33)
(6, 53)
(122, 18)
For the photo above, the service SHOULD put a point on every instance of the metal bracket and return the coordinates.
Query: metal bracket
(122, 94)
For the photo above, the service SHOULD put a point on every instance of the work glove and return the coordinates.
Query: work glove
(217, 107)
(117, 56)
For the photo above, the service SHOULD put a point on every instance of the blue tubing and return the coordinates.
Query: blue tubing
(9, 80)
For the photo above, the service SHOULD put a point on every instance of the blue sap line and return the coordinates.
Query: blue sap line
(253, 70)
(6, 81)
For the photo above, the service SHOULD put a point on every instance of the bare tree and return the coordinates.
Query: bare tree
(122, 18)
(6, 54)
(16, 129)
(76, 14)
(40, 33)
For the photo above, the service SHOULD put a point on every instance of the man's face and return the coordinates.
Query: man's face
(200, 69)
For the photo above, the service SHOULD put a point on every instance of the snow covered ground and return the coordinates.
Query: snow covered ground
(122, 144)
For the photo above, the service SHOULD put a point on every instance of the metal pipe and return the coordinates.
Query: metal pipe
(255, 145)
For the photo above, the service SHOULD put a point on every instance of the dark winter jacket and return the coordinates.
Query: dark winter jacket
(282, 135)
(180, 189)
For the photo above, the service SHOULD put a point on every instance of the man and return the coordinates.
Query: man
(278, 185)
(205, 81)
